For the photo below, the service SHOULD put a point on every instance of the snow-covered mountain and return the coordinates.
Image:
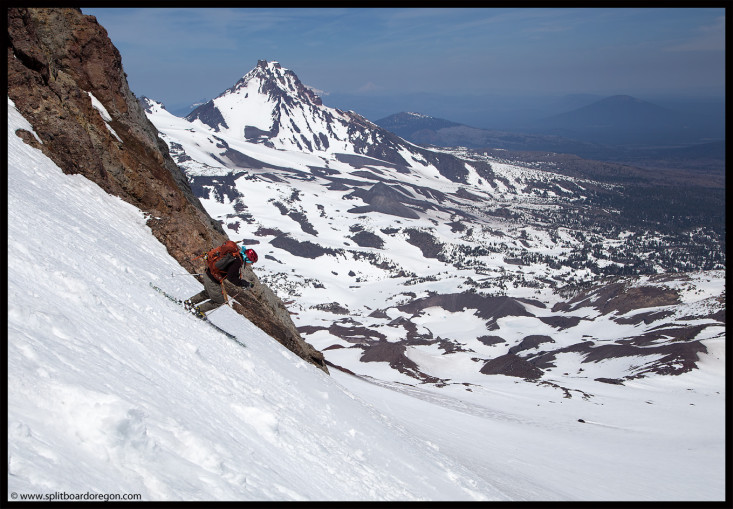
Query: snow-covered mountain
(404, 272)
(270, 106)
(114, 391)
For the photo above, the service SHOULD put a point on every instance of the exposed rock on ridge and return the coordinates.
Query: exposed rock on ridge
(56, 58)
(66, 77)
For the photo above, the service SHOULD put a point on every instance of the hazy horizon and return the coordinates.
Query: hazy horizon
(374, 59)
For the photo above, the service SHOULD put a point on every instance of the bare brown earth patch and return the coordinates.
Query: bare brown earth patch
(511, 365)
(647, 318)
(487, 307)
(305, 249)
(677, 358)
(669, 332)
(530, 342)
(491, 340)
(378, 313)
(367, 239)
(394, 354)
(332, 307)
(560, 322)
(620, 298)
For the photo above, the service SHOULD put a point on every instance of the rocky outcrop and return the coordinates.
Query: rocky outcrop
(59, 63)
(66, 77)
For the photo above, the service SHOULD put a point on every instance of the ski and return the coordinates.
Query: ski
(202, 318)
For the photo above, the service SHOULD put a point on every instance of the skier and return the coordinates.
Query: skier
(224, 262)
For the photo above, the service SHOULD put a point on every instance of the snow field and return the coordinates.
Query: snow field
(634, 445)
(526, 437)
(114, 389)
(112, 386)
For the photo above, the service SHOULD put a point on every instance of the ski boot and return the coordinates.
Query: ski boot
(194, 309)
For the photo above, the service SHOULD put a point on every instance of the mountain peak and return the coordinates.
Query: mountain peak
(406, 123)
(417, 115)
(264, 64)
(270, 106)
(255, 106)
(272, 79)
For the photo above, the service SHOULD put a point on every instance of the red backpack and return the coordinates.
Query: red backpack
(216, 254)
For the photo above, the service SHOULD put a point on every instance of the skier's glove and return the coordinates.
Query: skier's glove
(247, 284)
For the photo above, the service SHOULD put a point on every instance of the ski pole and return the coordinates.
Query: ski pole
(187, 274)
(224, 292)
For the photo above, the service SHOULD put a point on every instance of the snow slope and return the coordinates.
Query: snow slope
(113, 389)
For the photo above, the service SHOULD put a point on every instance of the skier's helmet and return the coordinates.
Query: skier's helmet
(250, 255)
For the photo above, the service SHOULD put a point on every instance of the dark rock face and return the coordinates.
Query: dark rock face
(56, 59)
(209, 115)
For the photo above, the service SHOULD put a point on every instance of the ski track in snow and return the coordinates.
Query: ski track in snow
(114, 389)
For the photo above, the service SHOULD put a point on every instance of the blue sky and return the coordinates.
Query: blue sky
(179, 56)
